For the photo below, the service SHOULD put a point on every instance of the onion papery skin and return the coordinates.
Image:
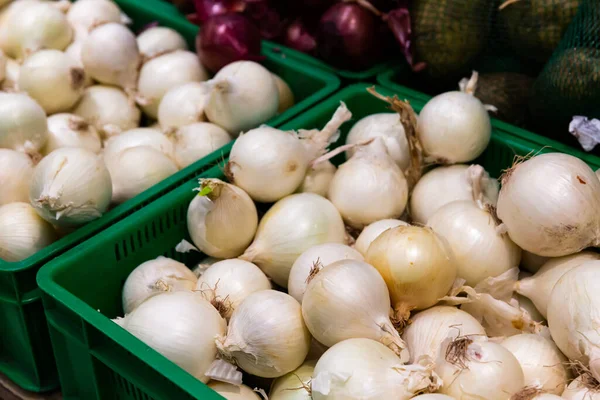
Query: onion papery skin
(192, 324)
(572, 318)
(481, 252)
(70, 187)
(417, 265)
(291, 226)
(550, 205)
(22, 232)
(444, 185)
(538, 288)
(429, 328)
(16, 170)
(349, 299)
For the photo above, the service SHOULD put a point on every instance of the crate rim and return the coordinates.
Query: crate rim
(357, 76)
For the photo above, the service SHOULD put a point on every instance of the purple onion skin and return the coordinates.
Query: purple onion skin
(299, 38)
(267, 18)
(351, 37)
(206, 9)
(226, 38)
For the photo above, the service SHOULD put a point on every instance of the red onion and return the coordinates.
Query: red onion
(299, 38)
(226, 38)
(399, 22)
(267, 18)
(350, 36)
(210, 8)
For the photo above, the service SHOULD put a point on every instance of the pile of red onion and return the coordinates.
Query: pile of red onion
(348, 34)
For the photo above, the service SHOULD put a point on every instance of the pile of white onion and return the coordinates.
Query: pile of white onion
(389, 283)
(91, 115)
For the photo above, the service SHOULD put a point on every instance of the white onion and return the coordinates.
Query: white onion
(428, 330)
(318, 179)
(160, 40)
(267, 336)
(84, 15)
(279, 158)
(417, 265)
(181, 326)
(195, 141)
(369, 187)
(544, 366)
(583, 388)
(16, 170)
(70, 187)
(74, 51)
(136, 169)
(444, 185)
(108, 109)
(227, 283)
(362, 369)
(453, 127)
(286, 96)
(312, 260)
(294, 385)
(539, 287)
(290, 227)
(526, 304)
(572, 315)
(390, 129)
(136, 138)
(69, 130)
(32, 26)
(433, 396)
(532, 262)
(111, 56)
(349, 299)
(481, 252)
(22, 232)
(155, 276)
(53, 79)
(22, 123)
(222, 219)
(492, 303)
(234, 392)
(11, 77)
(165, 72)
(372, 231)
(235, 87)
(182, 105)
(480, 369)
(550, 205)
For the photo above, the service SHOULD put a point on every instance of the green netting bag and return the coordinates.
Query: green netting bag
(509, 92)
(454, 37)
(449, 35)
(532, 29)
(569, 84)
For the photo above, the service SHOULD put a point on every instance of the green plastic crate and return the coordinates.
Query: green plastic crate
(25, 355)
(388, 80)
(348, 75)
(97, 359)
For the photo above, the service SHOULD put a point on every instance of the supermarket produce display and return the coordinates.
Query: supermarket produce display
(189, 209)
(64, 105)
